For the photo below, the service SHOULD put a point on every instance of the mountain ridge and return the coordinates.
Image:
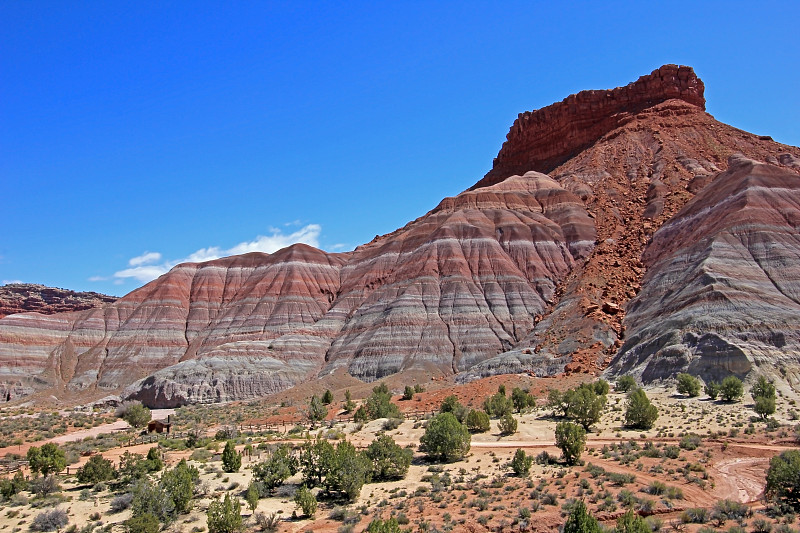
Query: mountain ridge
(525, 273)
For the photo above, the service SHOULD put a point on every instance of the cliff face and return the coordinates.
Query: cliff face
(544, 139)
(722, 290)
(523, 272)
(27, 298)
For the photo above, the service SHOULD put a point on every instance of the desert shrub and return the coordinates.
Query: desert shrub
(231, 459)
(445, 438)
(688, 385)
(761, 525)
(96, 470)
(656, 488)
(348, 471)
(507, 424)
(349, 404)
(624, 383)
(763, 393)
(451, 405)
(731, 389)
(384, 526)
(224, 516)
(570, 438)
(672, 452)
(121, 502)
(44, 485)
(268, 522)
(783, 478)
(392, 423)
(154, 462)
(580, 521)
(712, 389)
(521, 463)
(252, 495)
(143, 523)
(389, 461)
(50, 520)
(690, 441)
(694, 515)
(640, 413)
(178, 484)
(408, 393)
(306, 501)
(631, 522)
(478, 421)
(134, 413)
(729, 510)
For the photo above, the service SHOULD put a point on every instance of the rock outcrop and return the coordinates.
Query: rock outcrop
(27, 298)
(523, 272)
(722, 289)
(544, 139)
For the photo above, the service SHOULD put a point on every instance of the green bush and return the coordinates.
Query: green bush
(640, 413)
(521, 463)
(624, 383)
(408, 393)
(278, 467)
(224, 516)
(316, 410)
(631, 522)
(445, 438)
(783, 478)
(251, 496)
(579, 520)
(384, 526)
(50, 520)
(570, 438)
(379, 404)
(763, 393)
(731, 389)
(498, 404)
(389, 461)
(712, 389)
(507, 424)
(143, 523)
(306, 501)
(231, 459)
(688, 385)
(135, 414)
(451, 405)
(584, 405)
(478, 421)
(522, 399)
(49, 459)
(327, 397)
(96, 470)
(178, 484)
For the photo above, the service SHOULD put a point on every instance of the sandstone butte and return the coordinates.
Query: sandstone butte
(28, 297)
(623, 230)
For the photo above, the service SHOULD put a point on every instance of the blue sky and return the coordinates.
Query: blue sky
(134, 135)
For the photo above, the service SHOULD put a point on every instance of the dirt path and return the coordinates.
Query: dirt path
(743, 478)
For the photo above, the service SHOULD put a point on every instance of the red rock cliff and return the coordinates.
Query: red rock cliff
(542, 140)
(26, 297)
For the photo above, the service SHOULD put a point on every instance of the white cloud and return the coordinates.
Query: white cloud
(143, 270)
(144, 259)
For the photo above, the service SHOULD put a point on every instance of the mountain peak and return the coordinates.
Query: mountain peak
(543, 139)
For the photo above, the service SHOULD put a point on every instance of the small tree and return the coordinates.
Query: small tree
(580, 521)
(731, 389)
(143, 523)
(380, 405)
(712, 389)
(445, 438)
(408, 393)
(327, 397)
(763, 393)
(584, 405)
(178, 484)
(316, 410)
(624, 383)
(498, 404)
(231, 459)
(276, 469)
(389, 460)
(49, 459)
(783, 478)
(641, 413)
(478, 421)
(349, 404)
(507, 424)
(521, 463)
(688, 385)
(225, 516)
(348, 471)
(570, 438)
(522, 399)
(251, 496)
(451, 405)
(154, 460)
(306, 501)
(135, 414)
(96, 470)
